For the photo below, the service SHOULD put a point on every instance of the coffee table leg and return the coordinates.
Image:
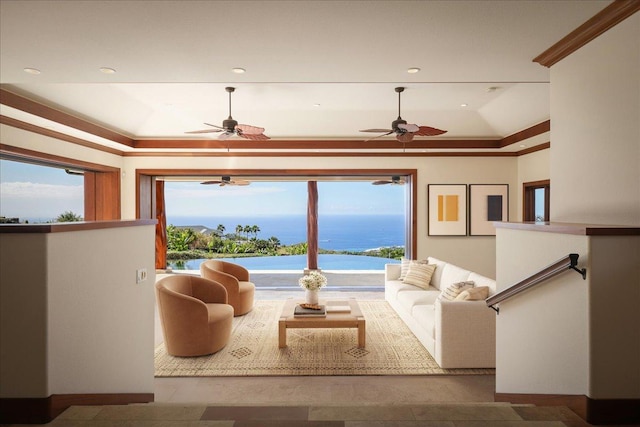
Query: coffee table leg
(282, 334)
(362, 335)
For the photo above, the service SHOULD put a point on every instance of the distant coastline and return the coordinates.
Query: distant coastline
(352, 233)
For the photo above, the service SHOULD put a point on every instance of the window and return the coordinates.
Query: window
(536, 201)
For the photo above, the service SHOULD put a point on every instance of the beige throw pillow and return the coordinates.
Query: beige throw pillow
(420, 275)
(452, 291)
(474, 294)
(406, 263)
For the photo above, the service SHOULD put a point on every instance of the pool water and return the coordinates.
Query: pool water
(295, 262)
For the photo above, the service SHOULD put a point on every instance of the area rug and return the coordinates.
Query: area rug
(391, 349)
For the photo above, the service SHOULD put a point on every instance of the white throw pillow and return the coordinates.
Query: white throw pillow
(406, 263)
(420, 275)
(452, 291)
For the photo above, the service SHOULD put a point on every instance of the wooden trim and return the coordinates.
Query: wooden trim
(607, 18)
(319, 154)
(534, 130)
(570, 228)
(63, 227)
(534, 149)
(21, 103)
(22, 154)
(56, 135)
(45, 409)
(528, 199)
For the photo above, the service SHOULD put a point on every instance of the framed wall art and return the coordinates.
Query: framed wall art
(447, 209)
(487, 203)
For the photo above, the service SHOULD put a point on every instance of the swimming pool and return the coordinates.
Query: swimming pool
(295, 262)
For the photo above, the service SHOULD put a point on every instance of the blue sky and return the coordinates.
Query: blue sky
(36, 192)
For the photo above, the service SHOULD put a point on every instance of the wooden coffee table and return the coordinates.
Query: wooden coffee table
(353, 319)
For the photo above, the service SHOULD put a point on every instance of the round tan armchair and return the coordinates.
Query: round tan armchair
(195, 317)
(235, 278)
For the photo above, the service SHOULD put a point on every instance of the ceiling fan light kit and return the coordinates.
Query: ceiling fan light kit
(231, 127)
(405, 131)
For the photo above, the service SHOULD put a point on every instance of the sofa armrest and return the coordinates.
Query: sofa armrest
(392, 271)
(465, 334)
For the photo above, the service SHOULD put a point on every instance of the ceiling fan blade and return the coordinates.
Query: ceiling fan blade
(210, 182)
(381, 182)
(205, 131)
(257, 137)
(379, 136)
(251, 130)
(405, 137)
(409, 127)
(225, 135)
(376, 130)
(429, 131)
(215, 126)
(239, 182)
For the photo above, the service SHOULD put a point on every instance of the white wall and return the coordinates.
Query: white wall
(595, 128)
(74, 321)
(542, 342)
(476, 253)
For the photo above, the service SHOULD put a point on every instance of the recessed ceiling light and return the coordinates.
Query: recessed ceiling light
(464, 105)
(316, 105)
(522, 145)
(33, 71)
(239, 70)
(493, 88)
(413, 70)
(107, 70)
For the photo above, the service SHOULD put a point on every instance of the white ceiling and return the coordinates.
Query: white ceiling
(174, 58)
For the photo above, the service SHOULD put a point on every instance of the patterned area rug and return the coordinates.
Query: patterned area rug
(391, 349)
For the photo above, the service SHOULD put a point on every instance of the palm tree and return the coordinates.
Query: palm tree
(68, 216)
(255, 230)
(220, 229)
(247, 230)
(239, 229)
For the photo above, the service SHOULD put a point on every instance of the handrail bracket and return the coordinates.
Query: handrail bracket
(573, 258)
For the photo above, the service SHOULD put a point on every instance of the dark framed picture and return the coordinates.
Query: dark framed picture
(447, 206)
(488, 203)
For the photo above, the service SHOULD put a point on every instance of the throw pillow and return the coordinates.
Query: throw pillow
(474, 294)
(420, 275)
(452, 291)
(406, 263)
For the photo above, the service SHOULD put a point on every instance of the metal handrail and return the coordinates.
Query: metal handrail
(568, 262)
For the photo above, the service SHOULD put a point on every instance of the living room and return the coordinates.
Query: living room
(592, 165)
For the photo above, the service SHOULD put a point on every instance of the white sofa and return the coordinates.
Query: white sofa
(458, 334)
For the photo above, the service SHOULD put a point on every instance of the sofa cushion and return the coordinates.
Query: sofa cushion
(393, 287)
(406, 263)
(474, 294)
(453, 274)
(419, 275)
(410, 299)
(435, 279)
(452, 291)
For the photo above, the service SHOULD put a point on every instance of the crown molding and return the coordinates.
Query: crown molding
(607, 18)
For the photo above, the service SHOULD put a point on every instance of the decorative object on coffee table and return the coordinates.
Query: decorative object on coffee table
(311, 283)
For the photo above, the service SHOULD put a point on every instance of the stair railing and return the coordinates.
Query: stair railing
(560, 266)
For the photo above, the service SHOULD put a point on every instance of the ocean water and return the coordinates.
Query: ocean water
(335, 232)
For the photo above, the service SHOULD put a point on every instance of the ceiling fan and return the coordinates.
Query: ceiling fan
(226, 180)
(405, 131)
(395, 180)
(231, 127)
